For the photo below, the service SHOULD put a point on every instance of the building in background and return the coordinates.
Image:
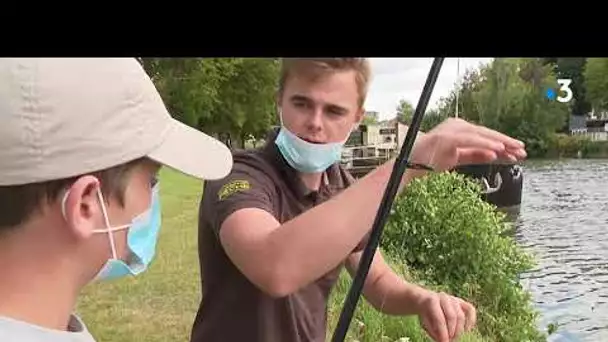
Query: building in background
(593, 126)
(372, 144)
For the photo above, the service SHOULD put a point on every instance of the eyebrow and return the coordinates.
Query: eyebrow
(331, 106)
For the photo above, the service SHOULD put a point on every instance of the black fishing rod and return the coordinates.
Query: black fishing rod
(387, 201)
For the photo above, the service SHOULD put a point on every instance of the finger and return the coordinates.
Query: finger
(518, 152)
(470, 314)
(494, 135)
(481, 156)
(429, 328)
(438, 322)
(506, 156)
(461, 318)
(449, 312)
(461, 140)
(475, 156)
(484, 155)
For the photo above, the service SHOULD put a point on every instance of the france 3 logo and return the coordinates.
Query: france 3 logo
(563, 94)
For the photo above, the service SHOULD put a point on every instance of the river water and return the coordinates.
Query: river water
(564, 222)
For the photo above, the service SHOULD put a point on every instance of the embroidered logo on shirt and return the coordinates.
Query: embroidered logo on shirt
(233, 187)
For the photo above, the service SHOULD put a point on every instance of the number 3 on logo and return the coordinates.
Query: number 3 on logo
(565, 87)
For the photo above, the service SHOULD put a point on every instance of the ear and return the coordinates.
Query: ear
(83, 211)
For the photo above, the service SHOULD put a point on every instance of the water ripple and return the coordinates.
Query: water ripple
(564, 222)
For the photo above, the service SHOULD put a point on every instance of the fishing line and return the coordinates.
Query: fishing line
(387, 200)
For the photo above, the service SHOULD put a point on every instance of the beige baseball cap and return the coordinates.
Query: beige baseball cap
(63, 117)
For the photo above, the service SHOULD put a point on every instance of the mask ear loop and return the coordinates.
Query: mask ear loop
(106, 220)
(63, 200)
(280, 112)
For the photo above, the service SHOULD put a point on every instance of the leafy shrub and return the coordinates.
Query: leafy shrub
(569, 146)
(371, 325)
(454, 241)
(563, 145)
(595, 149)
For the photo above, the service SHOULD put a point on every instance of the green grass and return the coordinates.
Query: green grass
(160, 304)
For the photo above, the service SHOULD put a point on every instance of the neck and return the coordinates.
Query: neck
(35, 287)
(312, 180)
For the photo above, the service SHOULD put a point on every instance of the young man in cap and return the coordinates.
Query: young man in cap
(276, 232)
(81, 142)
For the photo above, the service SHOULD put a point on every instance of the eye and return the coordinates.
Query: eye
(336, 110)
(154, 181)
(300, 104)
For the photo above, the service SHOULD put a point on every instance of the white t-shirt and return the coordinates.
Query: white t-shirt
(12, 330)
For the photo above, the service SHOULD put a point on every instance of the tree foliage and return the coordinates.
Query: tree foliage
(222, 96)
(432, 118)
(596, 82)
(573, 68)
(405, 111)
(508, 95)
(370, 118)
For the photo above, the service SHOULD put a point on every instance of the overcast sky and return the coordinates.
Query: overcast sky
(403, 78)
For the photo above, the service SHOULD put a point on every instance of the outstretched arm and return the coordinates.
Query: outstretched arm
(281, 257)
(384, 289)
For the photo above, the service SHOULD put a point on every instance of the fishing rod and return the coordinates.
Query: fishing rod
(387, 201)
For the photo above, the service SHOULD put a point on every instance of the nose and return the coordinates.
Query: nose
(315, 120)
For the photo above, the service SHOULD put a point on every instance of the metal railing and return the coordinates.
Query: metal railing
(363, 162)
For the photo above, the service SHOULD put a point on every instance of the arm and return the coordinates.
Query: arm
(281, 258)
(386, 291)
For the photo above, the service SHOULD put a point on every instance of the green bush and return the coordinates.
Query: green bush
(454, 241)
(371, 325)
(595, 149)
(569, 146)
(563, 145)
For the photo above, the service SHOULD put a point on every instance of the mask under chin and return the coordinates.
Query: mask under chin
(305, 156)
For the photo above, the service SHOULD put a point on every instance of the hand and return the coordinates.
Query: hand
(456, 142)
(445, 317)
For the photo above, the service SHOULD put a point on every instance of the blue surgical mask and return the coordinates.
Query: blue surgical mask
(142, 237)
(307, 157)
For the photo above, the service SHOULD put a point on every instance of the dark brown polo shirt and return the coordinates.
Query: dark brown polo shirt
(232, 308)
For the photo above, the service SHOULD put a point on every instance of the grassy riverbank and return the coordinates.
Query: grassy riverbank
(160, 305)
(568, 146)
(369, 325)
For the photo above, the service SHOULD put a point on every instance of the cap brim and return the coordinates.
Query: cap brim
(193, 153)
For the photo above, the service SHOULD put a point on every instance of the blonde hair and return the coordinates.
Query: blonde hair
(314, 68)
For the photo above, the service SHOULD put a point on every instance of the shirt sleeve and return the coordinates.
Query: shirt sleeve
(247, 186)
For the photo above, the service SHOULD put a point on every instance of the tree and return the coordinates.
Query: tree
(247, 107)
(432, 118)
(189, 86)
(512, 100)
(508, 95)
(596, 82)
(370, 118)
(471, 82)
(574, 69)
(405, 112)
(232, 97)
